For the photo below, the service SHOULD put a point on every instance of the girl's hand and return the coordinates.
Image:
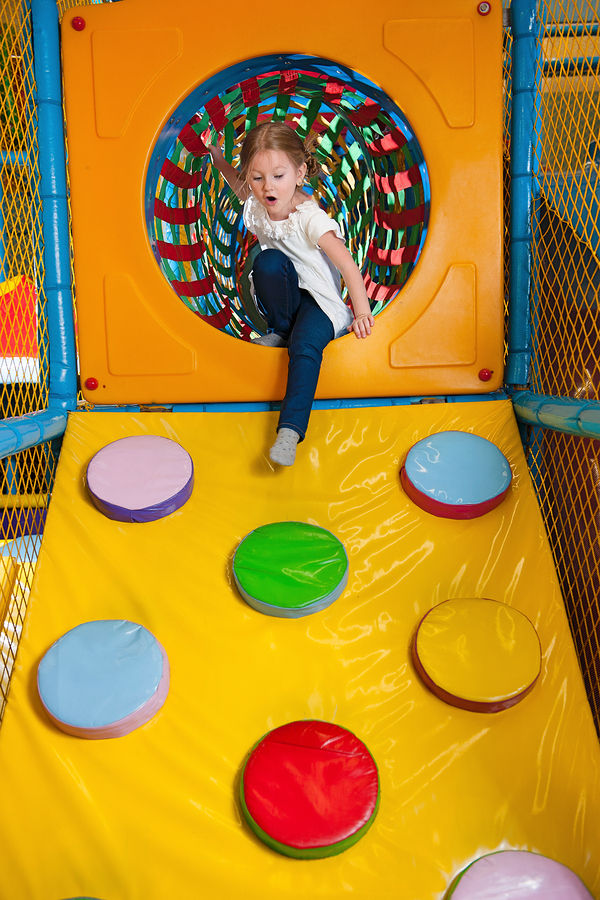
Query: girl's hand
(226, 169)
(362, 324)
(215, 151)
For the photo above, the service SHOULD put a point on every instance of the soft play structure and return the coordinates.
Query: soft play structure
(354, 676)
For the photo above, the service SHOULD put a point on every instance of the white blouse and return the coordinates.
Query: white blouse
(298, 237)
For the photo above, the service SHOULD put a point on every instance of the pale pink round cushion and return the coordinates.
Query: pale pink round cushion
(517, 875)
(140, 478)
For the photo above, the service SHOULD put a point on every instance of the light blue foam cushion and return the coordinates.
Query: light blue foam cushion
(457, 467)
(100, 672)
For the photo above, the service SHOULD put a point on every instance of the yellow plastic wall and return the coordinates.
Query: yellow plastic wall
(135, 61)
(154, 815)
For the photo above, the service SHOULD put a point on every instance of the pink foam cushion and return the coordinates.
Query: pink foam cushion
(140, 478)
(517, 875)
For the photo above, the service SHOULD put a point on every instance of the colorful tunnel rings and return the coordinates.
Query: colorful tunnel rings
(140, 478)
(309, 789)
(477, 654)
(518, 875)
(290, 569)
(103, 679)
(370, 161)
(456, 475)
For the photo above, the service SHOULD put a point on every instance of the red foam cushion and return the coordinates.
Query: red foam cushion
(310, 784)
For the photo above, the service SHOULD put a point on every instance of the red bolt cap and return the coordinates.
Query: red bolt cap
(78, 23)
(91, 383)
(484, 9)
(485, 374)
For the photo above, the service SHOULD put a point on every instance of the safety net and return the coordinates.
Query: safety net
(565, 283)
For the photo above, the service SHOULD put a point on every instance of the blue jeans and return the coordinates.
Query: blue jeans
(296, 316)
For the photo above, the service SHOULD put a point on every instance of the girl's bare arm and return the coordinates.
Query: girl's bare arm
(340, 256)
(228, 172)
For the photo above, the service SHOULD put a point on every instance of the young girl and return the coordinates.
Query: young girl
(296, 275)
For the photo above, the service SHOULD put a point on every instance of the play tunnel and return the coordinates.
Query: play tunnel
(373, 181)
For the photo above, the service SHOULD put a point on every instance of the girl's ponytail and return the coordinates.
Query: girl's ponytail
(312, 166)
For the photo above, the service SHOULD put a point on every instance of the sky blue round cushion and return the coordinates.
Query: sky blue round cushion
(103, 678)
(456, 474)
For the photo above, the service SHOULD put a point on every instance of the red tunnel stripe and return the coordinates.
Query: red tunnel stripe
(397, 220)
(288, 82)
(176, 215)
(180, 252)
(192, 141)
(399, 182)
(216, 111)
(395, 140)
(193, 288)
(178, 177)
(219, 320)
(365, 114)
(334, 91)
(250, 91)
(380, 292)
(391, 257)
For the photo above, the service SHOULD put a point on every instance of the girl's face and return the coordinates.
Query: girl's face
(274, 181)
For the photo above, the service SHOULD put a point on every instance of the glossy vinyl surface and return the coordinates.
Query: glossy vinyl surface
(478, 653)
(455, 468)
(454, 784)
(310, 786)
(518, 875)
(140, 478)
(290, 568)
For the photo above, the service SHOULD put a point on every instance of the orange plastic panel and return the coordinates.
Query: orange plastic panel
(130, 68)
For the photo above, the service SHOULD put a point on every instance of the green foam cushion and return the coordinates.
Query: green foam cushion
(290, 565)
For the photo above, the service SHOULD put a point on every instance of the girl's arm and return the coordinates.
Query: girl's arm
(228, 172)
(340, 256)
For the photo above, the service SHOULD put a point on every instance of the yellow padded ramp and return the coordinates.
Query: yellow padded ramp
(154, 815)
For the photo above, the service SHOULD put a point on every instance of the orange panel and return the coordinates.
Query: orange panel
(132, 66)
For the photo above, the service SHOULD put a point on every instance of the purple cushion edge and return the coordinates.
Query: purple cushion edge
(148, 513)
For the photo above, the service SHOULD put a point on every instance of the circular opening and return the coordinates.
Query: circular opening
(373, 182)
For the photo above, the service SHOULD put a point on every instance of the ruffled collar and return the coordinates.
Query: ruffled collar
(258, 218)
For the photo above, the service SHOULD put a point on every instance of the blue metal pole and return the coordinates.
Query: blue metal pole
(18, 433)
(53, 195)
(581, 417)
(524, 68)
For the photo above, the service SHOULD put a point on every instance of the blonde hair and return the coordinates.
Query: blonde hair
(276, 136)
